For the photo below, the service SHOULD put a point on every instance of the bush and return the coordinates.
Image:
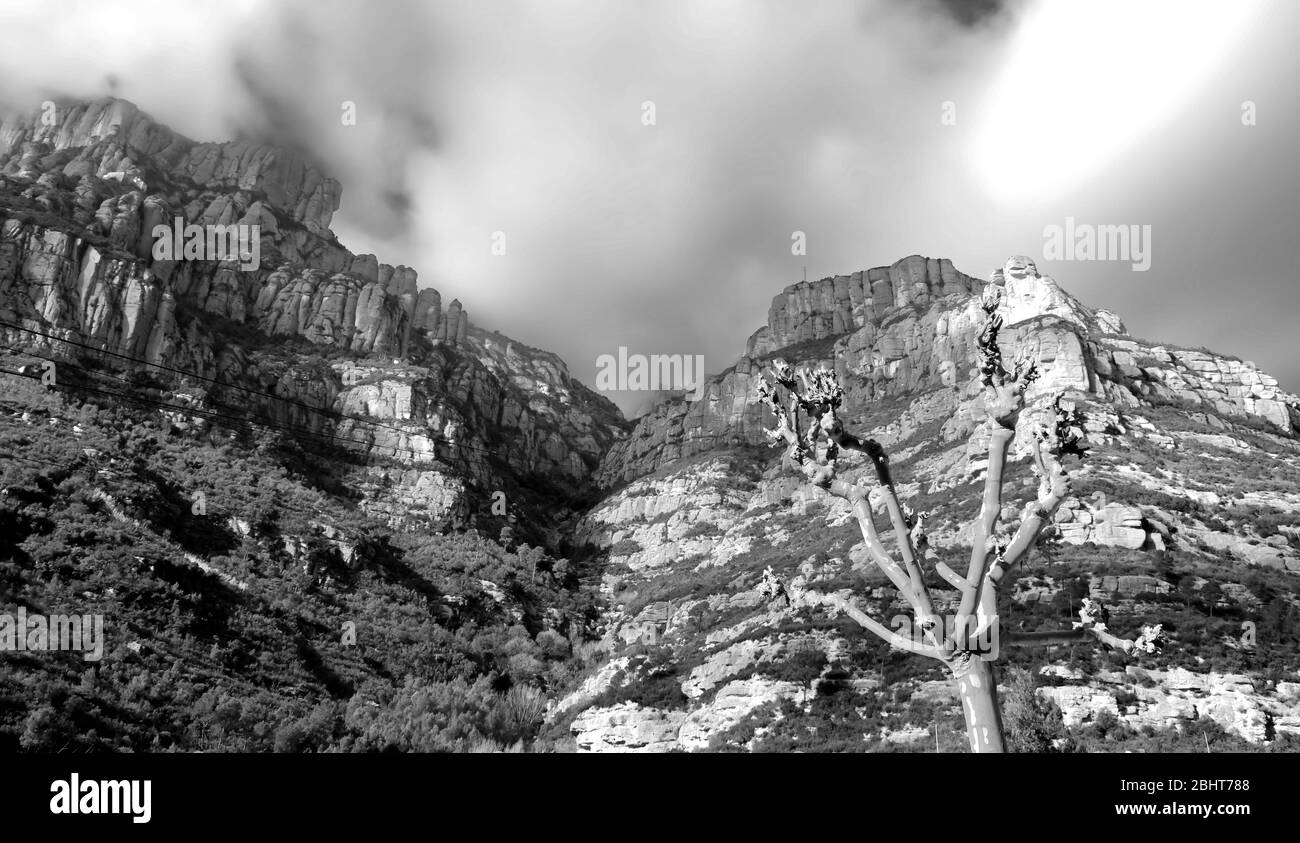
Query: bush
(1032, 723)
(625, 547)
(701, 528)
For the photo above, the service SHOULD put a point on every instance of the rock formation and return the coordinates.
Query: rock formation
(833, 307)
(916, 334)
(79, 200)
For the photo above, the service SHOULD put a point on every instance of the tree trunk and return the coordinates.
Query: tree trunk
(978, 690)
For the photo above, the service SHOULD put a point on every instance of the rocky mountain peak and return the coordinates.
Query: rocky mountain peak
(1028, 294)
(907, 333)
(837, 305)
(113, 139)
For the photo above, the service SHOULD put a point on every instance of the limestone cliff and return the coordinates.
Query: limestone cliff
(82, 189)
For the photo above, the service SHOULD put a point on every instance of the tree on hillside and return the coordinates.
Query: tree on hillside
(1165, 568)
(805, 405)
(1033, 723)
(1211, 593)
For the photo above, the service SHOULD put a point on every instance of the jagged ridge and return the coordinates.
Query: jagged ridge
(916, 333)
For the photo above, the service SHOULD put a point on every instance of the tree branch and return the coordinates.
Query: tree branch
(986, 523)
(870, 623)
(896, 573)
(813, 449)
(921, 601)
(1062, 436)
(1093, 626)
(1003, 399)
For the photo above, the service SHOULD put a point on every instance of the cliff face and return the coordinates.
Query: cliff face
(84, 195)
(915, 333)
(112, 139)
(836, 306)
(81, 192)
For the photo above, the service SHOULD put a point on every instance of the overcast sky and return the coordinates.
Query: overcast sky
(770, 117)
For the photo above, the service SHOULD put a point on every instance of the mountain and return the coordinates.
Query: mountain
(313, 328)
(1186, 512)
(909, 328)
(318, 509)
(315, 507)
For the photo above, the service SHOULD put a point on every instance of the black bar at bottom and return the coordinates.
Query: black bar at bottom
(569, 792)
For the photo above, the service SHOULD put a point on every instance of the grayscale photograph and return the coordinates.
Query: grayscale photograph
(401, 378)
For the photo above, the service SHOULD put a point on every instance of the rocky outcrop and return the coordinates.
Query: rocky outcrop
(113, 140)
(915, 335)
(627, 727)
(727, 662)
(1173, 698)
(1115, 525)
(341, 310)
(833, 307)
(1222, 386)
(730, 704)
(69, 283)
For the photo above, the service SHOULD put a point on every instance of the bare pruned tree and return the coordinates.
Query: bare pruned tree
(806, 406)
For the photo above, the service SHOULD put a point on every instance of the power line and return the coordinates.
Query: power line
(125, 467)
(195, 375)
(69, 466)
(250, 390)
(242, 423)
(320, 411)
(334, 414)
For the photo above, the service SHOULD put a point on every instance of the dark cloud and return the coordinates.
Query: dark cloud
(525, 117)
(309, 60)
(971, 12)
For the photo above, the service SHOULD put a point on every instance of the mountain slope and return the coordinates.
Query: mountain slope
(1186, 512)
(270, 481)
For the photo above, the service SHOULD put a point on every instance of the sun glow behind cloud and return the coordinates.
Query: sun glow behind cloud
(1084, 82)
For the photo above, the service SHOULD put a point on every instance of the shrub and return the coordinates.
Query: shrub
(701, 528)
(1033, 723)
(625, 547)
